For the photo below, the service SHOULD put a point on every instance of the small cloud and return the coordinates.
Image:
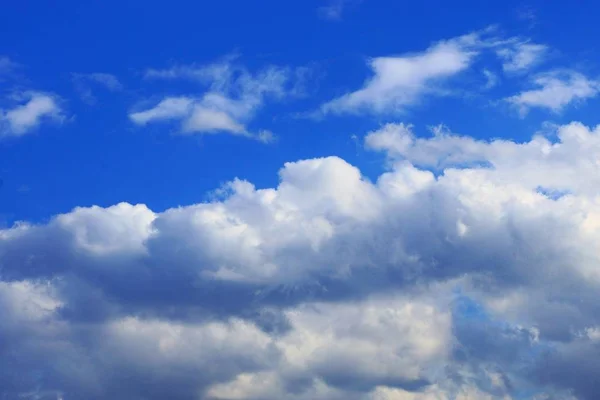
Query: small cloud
(169, 108)
(554, 91)
(401, 81)
(83, 83)
(527, 14)
(26, 117)
(522, 56)
(7, 65)
(218, 73)
(491, 79)
(266, 136)
(333, 10)
(231, 100)
(108, 80)
(24, 189)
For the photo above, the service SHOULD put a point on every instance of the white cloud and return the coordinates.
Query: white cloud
(401, 81)
(169, 108)
(554, 91)
(465, 282)
(26, 117)
(231, 101)
(220, 72)
(522, 56)
(534, 164)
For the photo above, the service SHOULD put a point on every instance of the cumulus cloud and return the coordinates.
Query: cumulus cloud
(554, 91)
(452, 275)
(231, 100)
(34, 109)
(522, 56)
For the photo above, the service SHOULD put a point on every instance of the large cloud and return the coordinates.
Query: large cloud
(467, 270)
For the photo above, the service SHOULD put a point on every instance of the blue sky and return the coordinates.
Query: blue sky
(306, 200)
(96, 155)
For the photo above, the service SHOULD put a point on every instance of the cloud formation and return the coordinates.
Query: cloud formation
(231, 100)
(522, 56)
(456, 274)
(34, 109)
(555, 90)
(401, 81)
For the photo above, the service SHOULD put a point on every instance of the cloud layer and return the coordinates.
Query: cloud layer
(467, 270)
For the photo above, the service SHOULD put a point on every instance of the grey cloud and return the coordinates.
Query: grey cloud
(326, 286)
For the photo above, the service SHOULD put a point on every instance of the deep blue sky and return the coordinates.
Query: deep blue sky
(98, 156)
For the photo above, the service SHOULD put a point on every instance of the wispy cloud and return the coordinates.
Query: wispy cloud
(400, 81)
(491, 79)
(83, 84)
(27, 116)
(555, 90)
(232, 97)
(334, 8)
(522, 56)
(6, 65)
(527, 14)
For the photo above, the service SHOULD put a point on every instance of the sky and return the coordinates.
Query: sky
(320, 199)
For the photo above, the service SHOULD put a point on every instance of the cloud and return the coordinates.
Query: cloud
(169, 108)
(7, 65)
(109, 81)
(521, 56)
(527, 14)
(334, 9)
(449, 276)
(83, 84)
(26, 117)
(231, 100)
(218, 74)
(554, 91)
(401, 81)
(491, 79)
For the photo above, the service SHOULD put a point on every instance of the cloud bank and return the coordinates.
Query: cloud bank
(467, 270)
